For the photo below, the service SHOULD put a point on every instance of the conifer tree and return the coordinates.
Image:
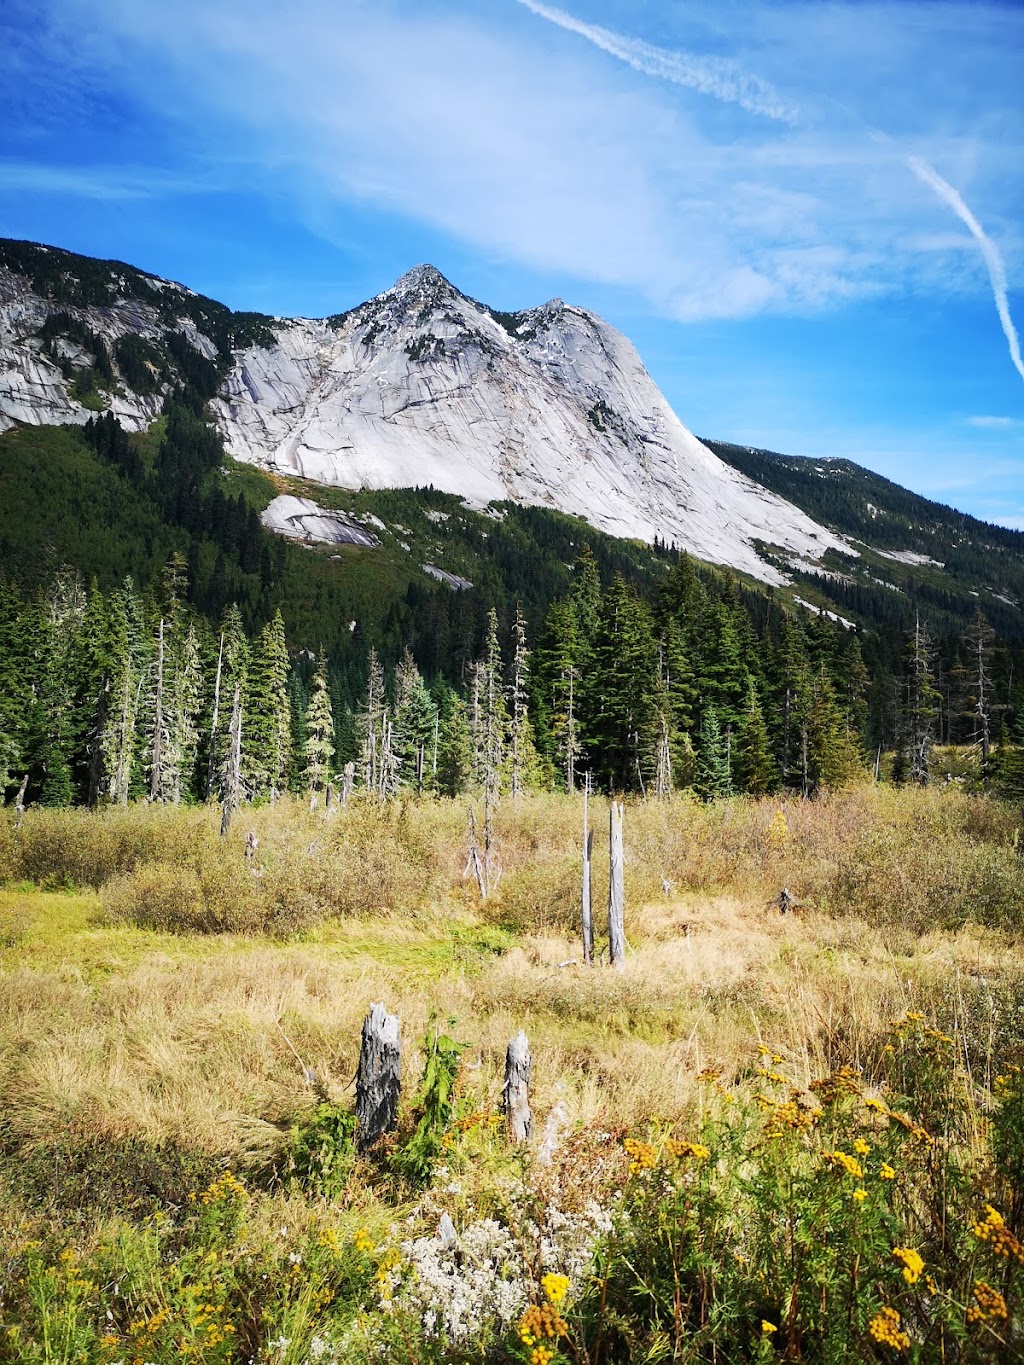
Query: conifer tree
(319, 736)
(489, 716)
(833, 755)
(980, 641)
(118, 738)
(16, 678)
(755, 768)
(455, 748)
(712, 778)
(61, 618)
(268, 750)
(620, 691)
(370, 726)
(558, 689)
(232, 671)
(415, 724)
(922, 704)
(522, 752)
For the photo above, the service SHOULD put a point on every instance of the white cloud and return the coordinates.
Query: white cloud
(989, 251)
(994, 423)
(717, 76)
(547, 155)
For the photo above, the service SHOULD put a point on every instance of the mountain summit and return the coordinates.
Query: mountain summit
(420, 385)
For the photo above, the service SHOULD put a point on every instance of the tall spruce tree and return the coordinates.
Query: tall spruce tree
(268, 751)
(319, 736)
(621, 720)
(415, 725)
(755, 770)
(712, 778)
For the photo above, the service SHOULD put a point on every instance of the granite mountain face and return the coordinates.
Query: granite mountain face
(420, 385)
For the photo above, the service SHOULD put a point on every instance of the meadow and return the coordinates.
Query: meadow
(766, 1137)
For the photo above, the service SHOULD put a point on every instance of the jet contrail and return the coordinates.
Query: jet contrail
(710, 75)
(996, 271)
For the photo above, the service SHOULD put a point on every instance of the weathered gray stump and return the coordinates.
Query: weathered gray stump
(515, 1096)
(588, 905)
(347, 782)
(616, 889)
(379, 1079)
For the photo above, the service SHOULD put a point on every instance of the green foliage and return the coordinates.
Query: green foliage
(321, 1151)
(969, 555)
(434, 1106)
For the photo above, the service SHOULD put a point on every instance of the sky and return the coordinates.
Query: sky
(808, 217)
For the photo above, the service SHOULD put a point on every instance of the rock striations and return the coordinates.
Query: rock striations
(422, 385)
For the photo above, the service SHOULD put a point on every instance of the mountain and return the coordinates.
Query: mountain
(421, 385)
(911, 554)
(417, 444)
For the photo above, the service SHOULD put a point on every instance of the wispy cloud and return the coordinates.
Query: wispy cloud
(113, 183)
(994, 423)
(716, 76)
(989, 251)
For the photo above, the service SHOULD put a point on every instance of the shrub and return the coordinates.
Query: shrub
(156, 896)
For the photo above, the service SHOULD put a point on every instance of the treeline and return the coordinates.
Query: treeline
(112, 697)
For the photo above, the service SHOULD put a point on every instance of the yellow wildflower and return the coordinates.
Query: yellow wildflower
(850, 1164)
(541, 1322)
(768, 1327)
(885, 1328)
(860, 1195)
(988, 1303)
(555, 1287)
(363, 1241)
(911, 1261)
(994, 1231)
(642, 1156)
(677, 1148)
(886, 1172)
(861, 1147)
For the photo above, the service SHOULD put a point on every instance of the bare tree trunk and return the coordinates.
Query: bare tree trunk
(473, 861)
(379, 1080)
(347, 782)
(616, 889)
(587, 905)
(19, 802)
(211, 765)
(515, 1096)
(155, 780)
(233, 783)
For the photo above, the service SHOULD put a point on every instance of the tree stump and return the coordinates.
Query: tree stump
(379, 1079)
(616, 889)
(515, 1096)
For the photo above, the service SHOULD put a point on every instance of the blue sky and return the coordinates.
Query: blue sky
(807, 216)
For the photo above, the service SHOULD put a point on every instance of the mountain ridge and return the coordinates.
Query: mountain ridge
(547, 407)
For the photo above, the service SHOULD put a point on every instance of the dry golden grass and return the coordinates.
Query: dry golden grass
(114, 1031)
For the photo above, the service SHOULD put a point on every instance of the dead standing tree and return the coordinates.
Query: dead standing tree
(379, 1079)
(232, 784)
(616, 888)
(587, 904)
